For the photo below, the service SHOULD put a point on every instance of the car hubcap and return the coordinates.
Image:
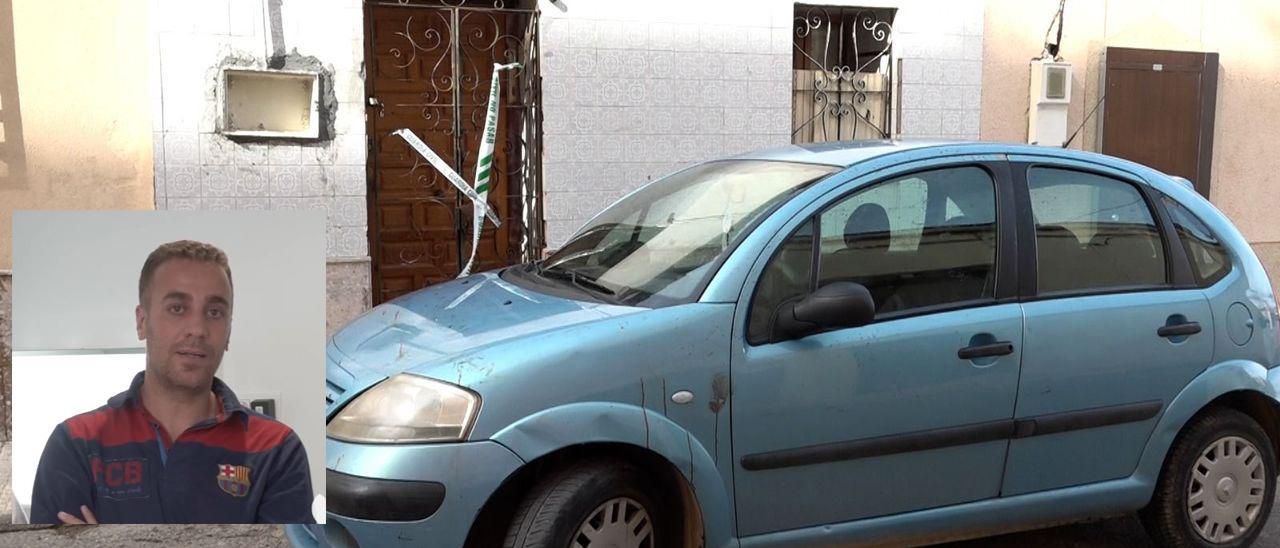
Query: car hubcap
(1228, 483)
(618, 523)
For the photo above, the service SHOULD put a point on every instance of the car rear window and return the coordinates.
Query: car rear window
(1207, 255)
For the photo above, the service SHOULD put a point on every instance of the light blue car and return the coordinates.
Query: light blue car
(868, 342)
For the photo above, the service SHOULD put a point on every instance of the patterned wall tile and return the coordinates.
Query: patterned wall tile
(584, 33)
(582, 62)
(770, 92)
(216, 150)
(972, 98)
(757, 40)
(921, 122)
(950, 122)
(182, 149)
(559, 231)
(251, 181)
(355, 241)
(182, 204)
(217, 181)
(218, 204)
(932, 72)
(347, 242)
(686, 37)
(250, 154)
(710, 119)
(555, 64)
(737, 120)
(554, 32)
(284, 180)
(662, 64)
(346, 211)
(613, 60)
(299, 204)
(315, 180)
(348, 181)
(736, 93)
(969, 123)
(661, 36)
(284, 154)
(912, 71)
(182, 181)
(253, 204)
(953, 96)
(686, 119)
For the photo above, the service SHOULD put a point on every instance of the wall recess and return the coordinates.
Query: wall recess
(270, 104)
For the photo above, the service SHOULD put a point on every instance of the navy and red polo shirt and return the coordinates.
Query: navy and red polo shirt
(238, 467)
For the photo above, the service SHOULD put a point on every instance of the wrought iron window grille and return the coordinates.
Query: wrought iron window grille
(843, 73)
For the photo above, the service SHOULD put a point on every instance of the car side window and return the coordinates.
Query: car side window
(1093, 233)
(925, 240)
(1207, 255)
(915, 242)
(786, 277)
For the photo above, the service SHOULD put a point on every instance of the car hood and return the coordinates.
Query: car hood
(430, 328)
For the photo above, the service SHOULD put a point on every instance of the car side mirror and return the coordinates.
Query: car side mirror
(833, 306)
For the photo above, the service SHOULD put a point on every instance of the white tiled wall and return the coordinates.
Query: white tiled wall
(941, 52)
(635, 90)
(197, 168)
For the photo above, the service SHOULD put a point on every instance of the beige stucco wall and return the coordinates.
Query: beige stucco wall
(1245, 34)
(82, 72)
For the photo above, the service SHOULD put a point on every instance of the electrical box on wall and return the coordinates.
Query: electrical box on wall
(1049, 99)
(270, 103)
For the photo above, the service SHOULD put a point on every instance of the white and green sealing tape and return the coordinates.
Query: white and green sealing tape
(484, 167)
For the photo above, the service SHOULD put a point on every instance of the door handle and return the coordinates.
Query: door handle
(1002, 348)
(1179, 330)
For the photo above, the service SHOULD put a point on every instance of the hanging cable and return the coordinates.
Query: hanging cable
(1051, 50)
(1085, 121)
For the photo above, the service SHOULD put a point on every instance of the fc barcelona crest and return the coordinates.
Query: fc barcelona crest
(234, 479)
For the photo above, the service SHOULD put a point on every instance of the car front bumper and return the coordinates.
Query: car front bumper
(410, 495)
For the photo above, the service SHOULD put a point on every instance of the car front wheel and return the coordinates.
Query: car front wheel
(1217, 486)
(589, 505)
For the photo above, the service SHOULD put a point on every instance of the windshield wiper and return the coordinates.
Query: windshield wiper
(582, 282)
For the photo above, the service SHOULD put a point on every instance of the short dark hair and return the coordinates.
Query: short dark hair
(181, 249)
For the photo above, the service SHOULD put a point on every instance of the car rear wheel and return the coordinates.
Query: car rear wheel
(1217, 486)
(590, 505)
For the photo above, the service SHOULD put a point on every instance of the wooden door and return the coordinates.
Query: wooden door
(428, 69)
(1159, 110)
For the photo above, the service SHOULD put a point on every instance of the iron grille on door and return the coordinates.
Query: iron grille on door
(429, 64)
(842, 73)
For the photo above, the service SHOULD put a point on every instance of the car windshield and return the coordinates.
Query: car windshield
(656, 246)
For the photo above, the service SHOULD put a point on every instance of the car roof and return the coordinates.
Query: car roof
(841, 153)
(847, 153)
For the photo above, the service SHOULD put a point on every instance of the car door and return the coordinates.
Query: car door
(1114, 328)
(887, 417)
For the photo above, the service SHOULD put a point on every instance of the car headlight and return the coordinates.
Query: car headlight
(407, 409)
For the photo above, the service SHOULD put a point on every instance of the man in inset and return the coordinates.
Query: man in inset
(177, 446)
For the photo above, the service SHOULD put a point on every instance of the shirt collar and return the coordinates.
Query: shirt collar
(230, 403)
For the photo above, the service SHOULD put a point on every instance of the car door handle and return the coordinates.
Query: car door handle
(1002, 348)
(1179, 330)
